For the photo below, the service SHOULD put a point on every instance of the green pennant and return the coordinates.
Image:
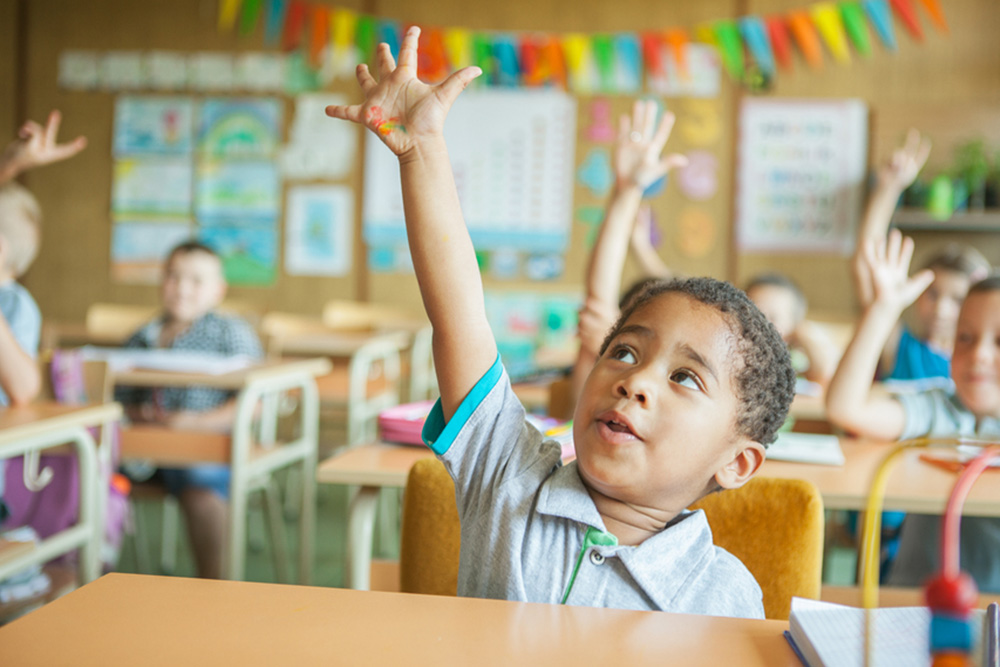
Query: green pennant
(482, 56)
(248, 19)
(604, 58)
(364, 36)
(856, 26)
(727, 38)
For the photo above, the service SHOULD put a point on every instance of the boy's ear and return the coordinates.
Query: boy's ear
(744, 465)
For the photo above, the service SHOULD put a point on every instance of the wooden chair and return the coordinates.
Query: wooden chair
(115, 321)
(774, 526)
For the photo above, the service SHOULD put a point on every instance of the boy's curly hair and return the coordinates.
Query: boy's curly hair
(765, 381)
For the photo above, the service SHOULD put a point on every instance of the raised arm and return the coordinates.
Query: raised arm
(36, 146)
(819, 348)
(890, 181)
(850, 401)
(19, 375)
(408, 116)
(641, 245)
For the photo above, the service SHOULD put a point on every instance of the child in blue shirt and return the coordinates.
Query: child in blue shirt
(972, 408)
(690, 387)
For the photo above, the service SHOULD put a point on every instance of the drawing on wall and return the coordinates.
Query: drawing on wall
(210, 71)
(318, 146)
(246, 191)
(122, 70)
(800, 174)
(156, 186)
(239, 128)
(595, 172)
(166, 70)
(318, 228)
(138, 248)
(249, 254)
(153, 125)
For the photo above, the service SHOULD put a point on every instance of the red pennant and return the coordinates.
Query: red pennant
(531, 73)
(933, 8)
(318, 35)
(908, 15)
(652, 53)
(804, 32)
(781, 41)
(432, 59)
(294, 23)
(677, 40)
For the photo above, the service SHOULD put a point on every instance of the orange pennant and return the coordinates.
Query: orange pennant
(804, 33)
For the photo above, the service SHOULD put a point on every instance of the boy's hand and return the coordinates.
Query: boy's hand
(36, 146)
(888, 263)
(399, 108)
(595, 320)
(906, 162)
(640, 142)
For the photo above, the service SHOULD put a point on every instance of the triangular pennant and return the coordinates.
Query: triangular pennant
(294, 24)
(576, 48)
(364, 38)
(600, 46)
(531, 71)
(856, 26)
(457, 42)
(228, 9)
(318, 34)
(432, 62)
(755, 36)
(249, 16)
(908, 15)
(389, 32)
(827, 19)
(781, 41)
(652, 53)
(677, 40)
(804, 32)
(881, 17)
(933, 8)
(482, 57)
(274, 22)
(628, 69)
(552, 59)
(727, 40)
(508, 68)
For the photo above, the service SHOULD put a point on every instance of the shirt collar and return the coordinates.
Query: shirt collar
(662, 564)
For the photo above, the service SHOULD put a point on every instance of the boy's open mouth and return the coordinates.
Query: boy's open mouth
(617, 423)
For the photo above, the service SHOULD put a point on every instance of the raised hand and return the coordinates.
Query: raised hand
(595, 320)
(906, 162)
(640, 141)
(36, 146)
(888, 263)
(399, 108)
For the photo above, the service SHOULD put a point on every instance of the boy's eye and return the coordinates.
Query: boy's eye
(685, 379)
(623, 353)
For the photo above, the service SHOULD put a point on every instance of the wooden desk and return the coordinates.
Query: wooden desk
(251, 457)
(27, 430)
(122, 619)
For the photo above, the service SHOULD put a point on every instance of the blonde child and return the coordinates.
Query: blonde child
(689, 389)
(921, 348)
(193, 287)
(971, 408)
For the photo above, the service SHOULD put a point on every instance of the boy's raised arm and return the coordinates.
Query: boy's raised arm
(890, 181)
(408, 116)
(850, 402)
(36, 146)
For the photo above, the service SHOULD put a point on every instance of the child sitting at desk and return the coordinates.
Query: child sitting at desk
(690, 388)
(971, 409)
(193, 286)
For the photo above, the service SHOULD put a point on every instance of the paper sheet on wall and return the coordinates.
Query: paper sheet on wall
(154, 186)
(247, 191)
(249, 254)
(512, 156)
(122, 70)
(318, 225)
(210, 72)
(138, 248)
(800, 174)
(260, 72)
(79, 70)
(240, 128)
(318, 146)
(166, 70)
(153, 126)
(702, 78)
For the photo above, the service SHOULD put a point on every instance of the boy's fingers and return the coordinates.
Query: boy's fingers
(649, 127)
(450, 88)
(664, 130)
(52, 127)
(673, 161)
(386, 63)
(408, 50)
(906, 252)
(639, 117)
(30, 129)
(920, 282)
(623, 128)
(351, 113)
(892, 249)
(69, 149)
(923, 152)
(365, 79)
(912, 142)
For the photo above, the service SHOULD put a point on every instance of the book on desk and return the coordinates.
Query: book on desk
(824, 634)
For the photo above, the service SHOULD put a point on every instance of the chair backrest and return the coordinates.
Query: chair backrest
(775, 527)
(343, 314)
(116, 320)
(431, 537)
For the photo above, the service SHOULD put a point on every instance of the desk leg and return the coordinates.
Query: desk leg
(360, 525)
(307, 518)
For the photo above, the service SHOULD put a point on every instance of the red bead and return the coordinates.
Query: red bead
(957, 595)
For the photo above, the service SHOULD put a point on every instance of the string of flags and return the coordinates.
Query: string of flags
(598, 62)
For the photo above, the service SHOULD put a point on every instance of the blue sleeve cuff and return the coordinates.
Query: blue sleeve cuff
(438, 435)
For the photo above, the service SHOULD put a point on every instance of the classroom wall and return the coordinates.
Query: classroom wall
(957, 76)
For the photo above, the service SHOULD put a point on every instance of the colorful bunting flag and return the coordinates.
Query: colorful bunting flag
(457, 45)
(294, 24)
(881, 18)
(364, 38)
(508, 68)
(781, 41)
(933, 8)
(908, 15)
(318, 34)
(755, 35)
(389, 32)
(806, 38)
(275, 21)
(677, 40)
(603, 53)
(652, 53)
(727, 39)
(628, 72)
(482, 57)
(228, 9)
(855, 25)
(249, 16)
(575, 50)
(827, 19)
(432, 61)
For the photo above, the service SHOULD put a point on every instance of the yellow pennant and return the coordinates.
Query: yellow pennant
(826, 16)
(343, 25)
(457, 44)
(228, 9)
(576, 49)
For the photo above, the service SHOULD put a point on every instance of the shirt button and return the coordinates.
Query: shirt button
(596, 558)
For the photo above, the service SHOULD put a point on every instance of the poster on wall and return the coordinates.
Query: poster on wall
(512, 155)
(240, 128)
(800, 174)
(154, 186)
(138, 248)
(247, 191)
(319, 146)
(153, 125)
(318, 228)
(249, 254)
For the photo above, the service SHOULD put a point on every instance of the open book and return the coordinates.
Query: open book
(807, 448)
(833, 635)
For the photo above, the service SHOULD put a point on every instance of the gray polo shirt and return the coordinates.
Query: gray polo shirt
(939, 413)
(531, 532)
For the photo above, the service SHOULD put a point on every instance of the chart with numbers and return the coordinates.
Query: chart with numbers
(512, 156)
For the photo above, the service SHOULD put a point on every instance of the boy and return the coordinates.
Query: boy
(971, 409)
(193, 286)
(690, 387)
(784, 304)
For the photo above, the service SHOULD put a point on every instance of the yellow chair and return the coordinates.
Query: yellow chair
(775, 526)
